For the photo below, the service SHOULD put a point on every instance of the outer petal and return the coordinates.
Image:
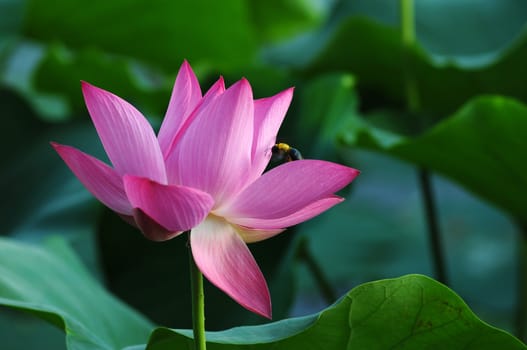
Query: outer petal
(288, 189)
(225, 260)
(151, 228)
(268, 116)
(126, 135)
(263, 228)
(251, 235)
(176, 208)
(214, 153)
(185, 96)
(101, 180)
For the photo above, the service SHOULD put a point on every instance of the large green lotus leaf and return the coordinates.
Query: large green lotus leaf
(52, 284)
(162, 33)
(48, 70)
(276, 20)
(374, 53)
(470, 33)
(222, 34)
(60, 71)
(410, 312)
(49, 76)
(482, 147)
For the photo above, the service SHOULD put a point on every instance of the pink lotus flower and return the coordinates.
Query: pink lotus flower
(203, 172)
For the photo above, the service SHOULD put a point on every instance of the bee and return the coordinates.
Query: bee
(282, 151)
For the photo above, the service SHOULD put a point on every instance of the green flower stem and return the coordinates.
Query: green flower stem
(408, 40)
(198, 303)
(433, 225)
(413, 105)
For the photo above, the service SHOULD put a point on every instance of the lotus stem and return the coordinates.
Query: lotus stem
(413, 105)
(433, 225)
(198, 303)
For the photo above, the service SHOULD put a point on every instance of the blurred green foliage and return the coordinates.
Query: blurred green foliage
(488, 131)
(345, 59)
(67, 296)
